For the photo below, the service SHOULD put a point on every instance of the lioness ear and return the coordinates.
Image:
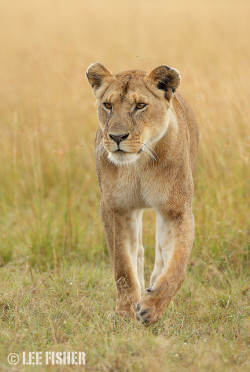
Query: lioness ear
(164, 78)
(98, 76)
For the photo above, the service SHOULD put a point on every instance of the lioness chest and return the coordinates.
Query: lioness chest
(134, 188)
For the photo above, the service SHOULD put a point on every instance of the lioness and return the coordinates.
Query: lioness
(146, 146)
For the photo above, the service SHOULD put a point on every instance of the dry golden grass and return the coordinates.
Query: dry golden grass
(50, 231)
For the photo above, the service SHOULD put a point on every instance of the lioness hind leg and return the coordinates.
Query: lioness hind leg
(159, 262)
(175, 253)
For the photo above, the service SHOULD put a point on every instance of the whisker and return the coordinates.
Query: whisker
(150, 148)
(145, 154)
(149, 152)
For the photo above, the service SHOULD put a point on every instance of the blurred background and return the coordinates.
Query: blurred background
(57, 291)
(48, 193)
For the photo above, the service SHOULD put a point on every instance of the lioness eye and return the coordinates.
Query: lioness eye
(140, 106)
(108, 105)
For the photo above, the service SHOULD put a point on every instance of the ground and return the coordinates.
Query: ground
(57, 291)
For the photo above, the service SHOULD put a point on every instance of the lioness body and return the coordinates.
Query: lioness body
(145, 158)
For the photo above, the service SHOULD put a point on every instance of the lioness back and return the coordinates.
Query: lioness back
(180, 103)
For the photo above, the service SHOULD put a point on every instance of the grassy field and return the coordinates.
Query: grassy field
(57, 291)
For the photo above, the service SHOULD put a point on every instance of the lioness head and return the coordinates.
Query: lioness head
(133, 108)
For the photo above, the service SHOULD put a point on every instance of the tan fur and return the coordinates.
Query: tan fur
(153, 170)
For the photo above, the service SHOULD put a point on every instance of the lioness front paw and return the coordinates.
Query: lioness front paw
(148, 309)
(146, 315)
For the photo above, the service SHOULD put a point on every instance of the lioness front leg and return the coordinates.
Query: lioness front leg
(140, 253)
(176, 239)
(122, 235)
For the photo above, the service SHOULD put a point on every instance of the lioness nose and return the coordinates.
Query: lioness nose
(118, 138)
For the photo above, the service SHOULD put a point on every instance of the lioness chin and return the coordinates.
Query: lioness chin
(146, 146)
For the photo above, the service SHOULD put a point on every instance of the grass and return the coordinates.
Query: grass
(57, 291)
